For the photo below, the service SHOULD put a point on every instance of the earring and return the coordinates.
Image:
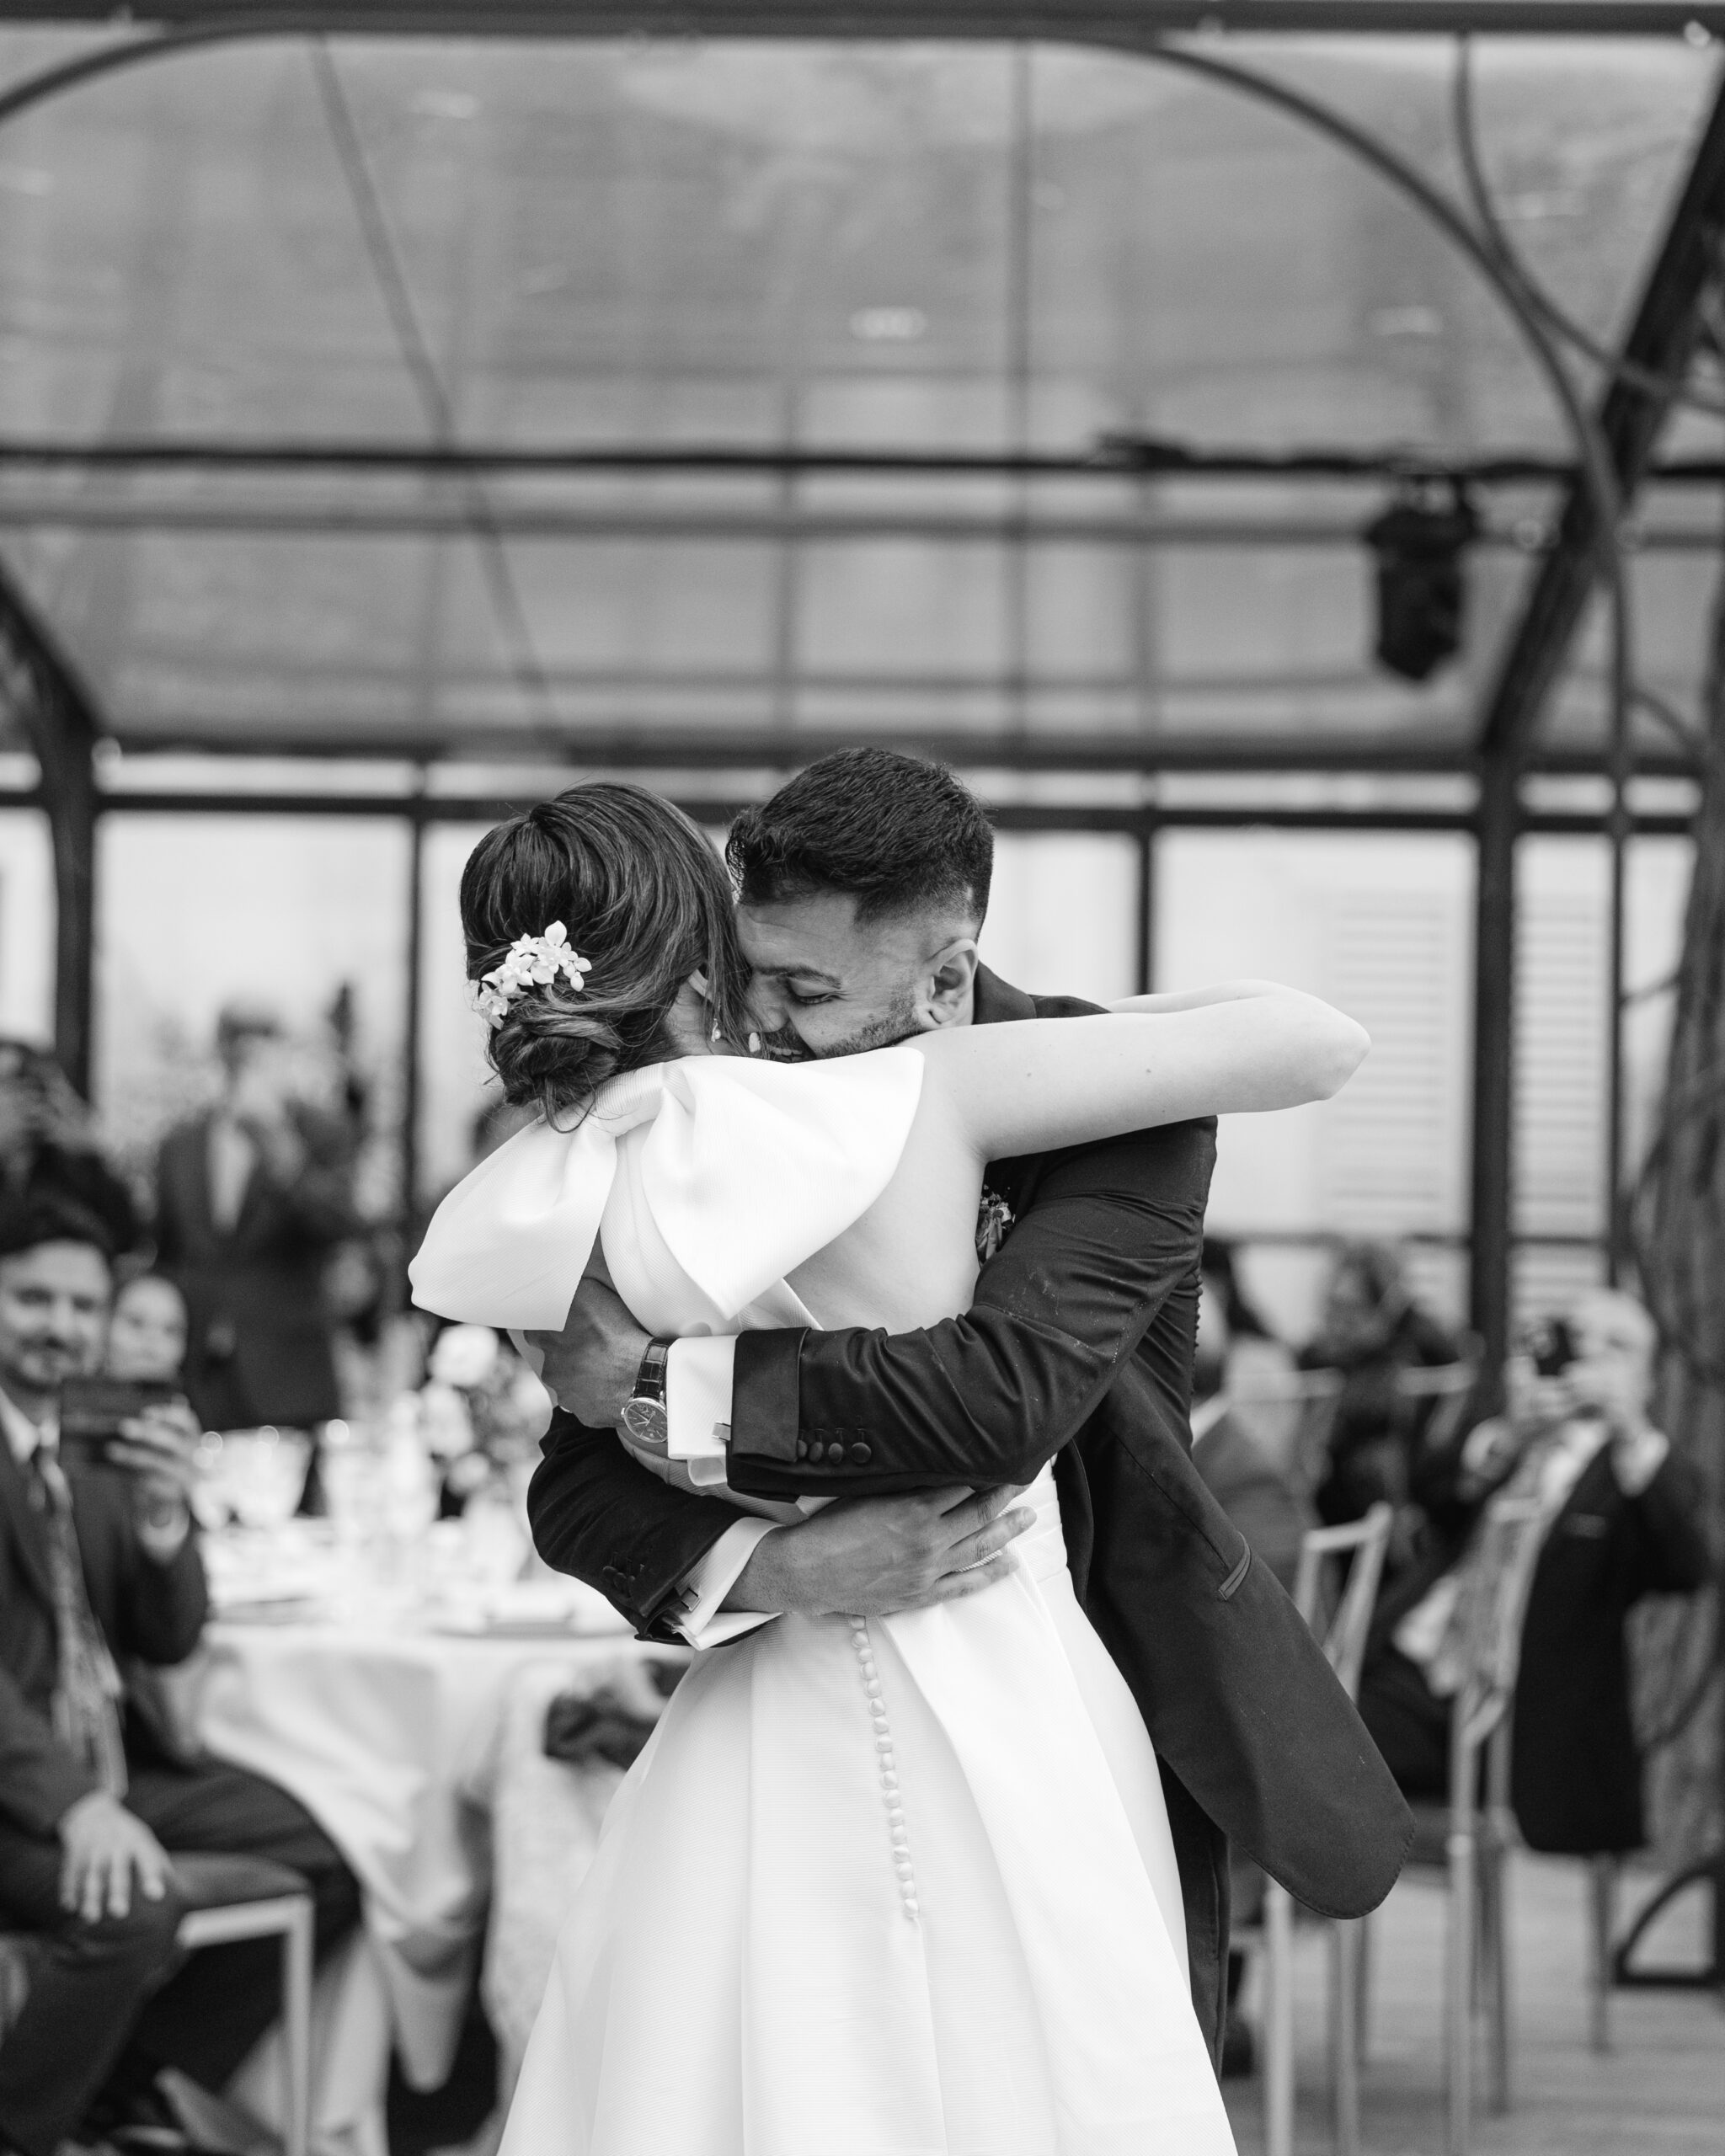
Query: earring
(754, 1044)
(715, 1036)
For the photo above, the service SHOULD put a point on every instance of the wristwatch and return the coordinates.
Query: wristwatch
(644, 1415)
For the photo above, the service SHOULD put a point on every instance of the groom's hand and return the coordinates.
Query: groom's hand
(868, 1556)
(590, 1366)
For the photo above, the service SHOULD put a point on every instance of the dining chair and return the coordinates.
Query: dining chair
(233, 1897)
(237, 1897)
(1292, 1414)
(1468, 1836)
(1448, 1387)
(1321, 1549)
(1602, 1923)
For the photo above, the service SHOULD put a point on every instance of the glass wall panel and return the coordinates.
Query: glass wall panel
(455, 1081)
(1657, 895)
(1562, 1038)
(26, 925)
(1381, 927)
(1063, 920)
(288, 910)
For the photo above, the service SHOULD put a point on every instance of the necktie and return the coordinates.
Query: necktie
(87, 1689)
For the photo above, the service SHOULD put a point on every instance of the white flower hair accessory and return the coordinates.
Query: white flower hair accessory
(533, 962)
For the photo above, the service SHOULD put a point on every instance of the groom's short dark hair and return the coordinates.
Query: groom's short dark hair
(896, 832)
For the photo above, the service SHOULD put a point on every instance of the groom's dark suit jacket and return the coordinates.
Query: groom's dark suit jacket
(1081, 1330)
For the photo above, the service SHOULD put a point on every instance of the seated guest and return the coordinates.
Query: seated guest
(147, 1329)
(98, 1563)
(1371, 1329)
(1620, 1515)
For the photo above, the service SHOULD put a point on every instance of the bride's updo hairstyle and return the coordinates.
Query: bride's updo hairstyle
(646, 902)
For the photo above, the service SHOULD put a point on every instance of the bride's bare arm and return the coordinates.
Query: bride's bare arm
(1027, 1086)
(1199, 999)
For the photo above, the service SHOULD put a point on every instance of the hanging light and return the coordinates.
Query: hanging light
(1420, 541)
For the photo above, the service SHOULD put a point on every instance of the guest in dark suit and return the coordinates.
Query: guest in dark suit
(98, 1564)
(1077, 1347)
(1621, 1520)
(251, 1200)
(47, 1147)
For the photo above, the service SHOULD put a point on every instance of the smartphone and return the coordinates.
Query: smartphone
(93, 1409)
(1553, 1346)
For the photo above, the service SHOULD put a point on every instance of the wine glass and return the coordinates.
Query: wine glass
(264, 1475)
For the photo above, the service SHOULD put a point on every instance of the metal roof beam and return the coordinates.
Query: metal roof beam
(44, 694)
(1662, 339)
(1116, 461)
(672, 747)
(1125, 24)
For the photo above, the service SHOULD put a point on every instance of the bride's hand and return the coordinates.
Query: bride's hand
(868, 1556)
(590, 1367)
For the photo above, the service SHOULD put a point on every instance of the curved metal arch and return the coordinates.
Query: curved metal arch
(1429, 201)
(31, 90)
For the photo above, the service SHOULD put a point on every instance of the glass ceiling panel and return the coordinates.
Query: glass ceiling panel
(1674, 598)
(978, 248)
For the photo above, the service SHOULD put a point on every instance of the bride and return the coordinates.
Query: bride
(876, 1886)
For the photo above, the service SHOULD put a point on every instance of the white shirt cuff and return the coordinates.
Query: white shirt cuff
(703, 1623)
(697, 1402)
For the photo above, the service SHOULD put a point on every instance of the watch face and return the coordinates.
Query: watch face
(646, 1422)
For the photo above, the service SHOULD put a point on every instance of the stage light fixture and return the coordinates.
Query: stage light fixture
(1420, 541)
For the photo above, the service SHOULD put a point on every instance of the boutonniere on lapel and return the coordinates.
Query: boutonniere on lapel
(994, 1223)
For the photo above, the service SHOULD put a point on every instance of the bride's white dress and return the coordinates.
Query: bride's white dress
(895, 1888)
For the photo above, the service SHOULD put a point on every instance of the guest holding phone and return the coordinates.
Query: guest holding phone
(251, 1200)
(1620, 1518)
(99, 1565)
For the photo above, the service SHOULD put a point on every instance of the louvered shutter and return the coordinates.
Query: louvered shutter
(1389, 1150)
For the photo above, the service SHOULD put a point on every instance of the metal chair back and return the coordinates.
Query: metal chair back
(1448, 1387)
(1343, 1640)
(1491, 1650)
(1502, 1568)
(1291, 1413)
(1366, 1541)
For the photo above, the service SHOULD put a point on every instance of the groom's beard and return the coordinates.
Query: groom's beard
(788, 1045)
(891, 1028)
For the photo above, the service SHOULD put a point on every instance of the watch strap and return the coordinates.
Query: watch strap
(650, 1378)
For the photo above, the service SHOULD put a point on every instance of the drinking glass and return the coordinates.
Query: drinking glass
(264, 1475)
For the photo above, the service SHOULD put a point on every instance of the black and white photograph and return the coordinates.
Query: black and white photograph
(862, 1078)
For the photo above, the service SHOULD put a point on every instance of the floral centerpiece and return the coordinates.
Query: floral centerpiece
(482, 1413)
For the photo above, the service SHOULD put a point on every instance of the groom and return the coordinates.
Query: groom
(863, 886)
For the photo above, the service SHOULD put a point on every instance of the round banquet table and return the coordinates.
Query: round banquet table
(387, 1729)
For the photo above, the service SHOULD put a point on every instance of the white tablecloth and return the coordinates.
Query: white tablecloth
(388, 1736)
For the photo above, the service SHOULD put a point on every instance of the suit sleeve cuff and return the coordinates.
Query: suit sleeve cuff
(697, 1405)
(767, 1396)
(703, 1623)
